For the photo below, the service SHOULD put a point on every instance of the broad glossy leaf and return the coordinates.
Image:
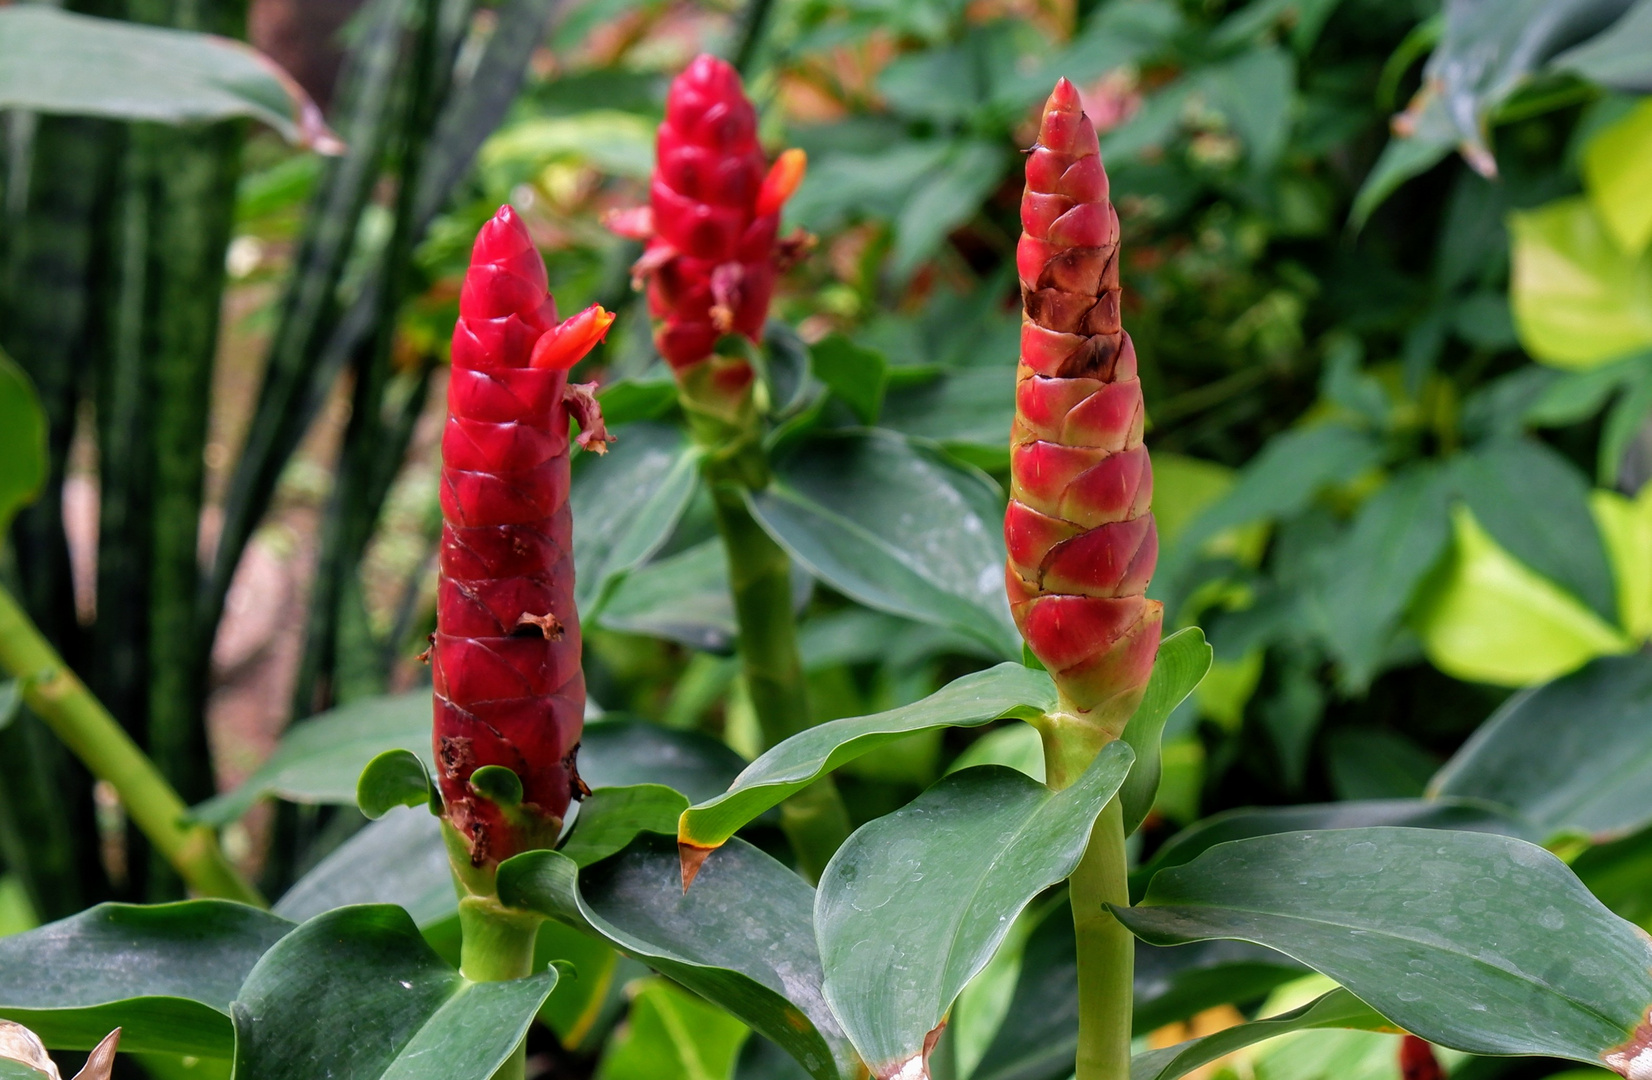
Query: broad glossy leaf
(164, 974)
(357, 994)
(945, 199)
(1039, 1035)
(683, 597)
(971, 407)
(1371, 574)
(670, 1034)
(396, 778)
(626, 502)
(1579, 300)
(1617, 167)
(1626, 529)
(1337, 1009)
(1571, 755)
(1005, 690)
(611, 817)
(852, 372)
(1487, 617)
(1478, 942)
(1535, 504)
(1619, 57)
(896, 528)
(1450, 813)
(56, 62)
(320, 760)
(1016, 746)
(1617, 873)
(1184, 658)
(23, 447)
(914, 904)
(399, 859)
(741, 937)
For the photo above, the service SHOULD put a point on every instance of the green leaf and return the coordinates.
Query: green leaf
(1579, 300)
(357, 993)
(1337, 1009)
(1626, 528)
(1573, 755)
(1184, 658)
(683, 598)
(1404, 157)
(165, 975)
(610, 818)
(498, 784)
(11, 697)
(670, 1034)
(1617, 169)
(740, 937)
(1005, 690)
(1477, 942)
(896, 528)
(320, 759)
(620, 143)
(1015, 746)
(948, 197)
(625, 504)
(968, 411)
(1254, 90)
(914, 904)
(855, 374)
(1448, 813)
(397, 778)
(52, 61)
(1487, 617)
(1618, 57)
(23, 450)
(1369, 576)
(399, 859)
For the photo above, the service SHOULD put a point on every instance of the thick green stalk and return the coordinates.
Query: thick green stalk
(77, 718)
(760, 577)
(1106, 950)
(496, 943)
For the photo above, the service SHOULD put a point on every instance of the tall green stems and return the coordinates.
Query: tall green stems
(497, 947)
(1106, 950)
(760, 578)
(59, 698)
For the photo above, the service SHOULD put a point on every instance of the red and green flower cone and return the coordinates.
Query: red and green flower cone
(1082, 542)
(712, 226)
(506, 654)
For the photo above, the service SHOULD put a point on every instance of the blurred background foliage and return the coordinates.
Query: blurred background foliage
(1386, 264)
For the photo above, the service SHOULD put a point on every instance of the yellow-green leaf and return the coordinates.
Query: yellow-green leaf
(1488, 617)
(1578, 299)
(1617, 170)
(1626, 527)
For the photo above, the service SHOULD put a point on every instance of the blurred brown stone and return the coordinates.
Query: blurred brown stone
(304, 37)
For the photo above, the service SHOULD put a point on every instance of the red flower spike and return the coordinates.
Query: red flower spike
(713, 219)
(506, 654)
(1081, 540)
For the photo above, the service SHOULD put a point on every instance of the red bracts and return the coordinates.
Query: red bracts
(506, 654)
(713, 251)
(1082, 542)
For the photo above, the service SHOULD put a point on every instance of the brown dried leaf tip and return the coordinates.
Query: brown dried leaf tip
(1633, 1060)
(692, 857)
(915, 1067)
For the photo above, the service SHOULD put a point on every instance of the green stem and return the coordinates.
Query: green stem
(77, 718)
(1106, 950)
(497, 946)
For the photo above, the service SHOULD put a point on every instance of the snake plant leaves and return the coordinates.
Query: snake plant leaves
(1184, 658)
(357, 993)
(1456, 814)
(321, 759)
(1005, 690)
(625, 504)
(23, 448)
(1571, 755)
(898, 528)
(914, 904)
(1482, 943)
(53, 61)
(1337, 1009)
(164, 974)
(740, 937)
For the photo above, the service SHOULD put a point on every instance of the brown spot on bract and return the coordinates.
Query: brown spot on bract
(1633, 1059)
(456, 754)
(546, 625)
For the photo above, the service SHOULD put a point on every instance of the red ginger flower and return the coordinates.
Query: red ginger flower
(713, 220)
(505, 658)
(1082, 543)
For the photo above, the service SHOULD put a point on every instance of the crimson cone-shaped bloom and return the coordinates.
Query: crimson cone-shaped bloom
(712, 223)
(505, 658)
(1082, 543)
